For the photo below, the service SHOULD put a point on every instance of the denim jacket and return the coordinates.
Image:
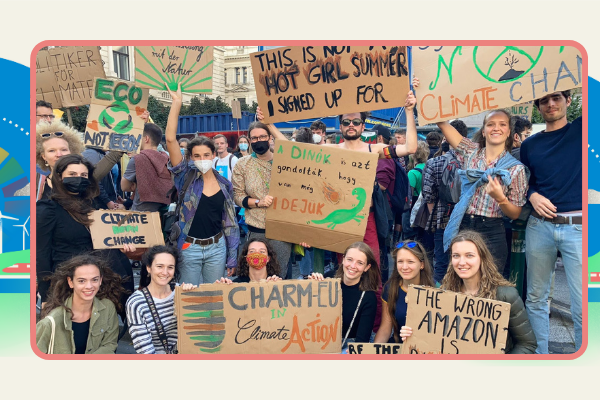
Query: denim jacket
(191, 200)
(102, 338)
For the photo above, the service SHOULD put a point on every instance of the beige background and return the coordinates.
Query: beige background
(27, 23)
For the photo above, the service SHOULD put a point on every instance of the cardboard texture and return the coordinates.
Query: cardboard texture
(314, 81)
(321, 195)
(236, 109)
(192, 66)
(143, 229)
(456, 81)
(284, 317)
(452, 323)
(524, 110)
(114, 121)
(65, 75)
(374, 348)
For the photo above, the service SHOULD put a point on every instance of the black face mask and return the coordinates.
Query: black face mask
(76, 184)
(261, 147)
(445, 147)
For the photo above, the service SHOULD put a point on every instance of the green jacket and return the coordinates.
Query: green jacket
(102, 339)
(520, 338)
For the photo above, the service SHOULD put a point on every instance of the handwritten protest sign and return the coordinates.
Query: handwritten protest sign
(192, 66)
(524, 111)
(109, 231)
(453, 323)
(114, 121)
(285, 317)
(313, 81)
(456, 81)
(321, 195)
(65, 75)
(374, 348)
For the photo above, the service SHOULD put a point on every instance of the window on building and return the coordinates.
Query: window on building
(237, 75)
(121, 62)
(245, 74)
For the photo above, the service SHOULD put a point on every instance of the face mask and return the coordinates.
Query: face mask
(76, 184)
(261, 147)
(203, 165)
(317, 138)
(183, 152)
(244, 146)
(445, 147)
(257, 260)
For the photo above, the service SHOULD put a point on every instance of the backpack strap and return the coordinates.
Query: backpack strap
(230, 167)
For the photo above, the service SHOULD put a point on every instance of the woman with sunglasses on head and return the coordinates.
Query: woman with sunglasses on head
(63, 222)
(80, 316)
(360, 280)
(412, 268)
(494, 183)
(472, 272)
(257, 262)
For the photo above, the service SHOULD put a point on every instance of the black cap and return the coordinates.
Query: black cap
(382, 131)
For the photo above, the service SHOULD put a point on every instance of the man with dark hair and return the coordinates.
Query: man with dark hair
(43, 112)
(521, 129)
(460, 126)
(319, 128)
(553, 157)
(147, 173)
(224, 162)
(434, 140)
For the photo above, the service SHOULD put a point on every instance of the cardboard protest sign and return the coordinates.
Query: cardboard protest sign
(284, 317)
(453, 323)
(313, 81)
(374, 348)
(65, 75)
(113, 229)
(524, 110)
(192, 66)
(321, 195)
(236, 109)
(456, 81)
(114, 121)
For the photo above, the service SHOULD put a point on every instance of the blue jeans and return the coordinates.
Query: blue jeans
(203, 264)
(441, 258)
(544, 240)
(306, 262)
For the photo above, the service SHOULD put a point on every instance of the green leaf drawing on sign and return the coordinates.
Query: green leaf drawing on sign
(339, 217)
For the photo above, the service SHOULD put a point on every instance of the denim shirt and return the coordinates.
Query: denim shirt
(191, 200)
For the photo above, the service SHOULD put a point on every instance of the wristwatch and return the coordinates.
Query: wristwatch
(256, 203)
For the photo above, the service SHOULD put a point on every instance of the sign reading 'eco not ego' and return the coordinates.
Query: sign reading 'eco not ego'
(285, 317)
(312, 81)
(114, 121)
(452, 323)
(457, 81)
(321, 195)
(113, 229)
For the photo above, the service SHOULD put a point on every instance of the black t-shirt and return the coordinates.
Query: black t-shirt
(241, 279)
(365, 317)
(208, 220)
(81, 331)
(401, 307)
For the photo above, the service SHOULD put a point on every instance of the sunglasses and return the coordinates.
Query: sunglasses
(47, 135)
(355, 122)
(410, 245)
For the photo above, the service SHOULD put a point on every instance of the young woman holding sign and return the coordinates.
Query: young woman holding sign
(412, 268)
(360, 280)
(80, 316)
(474, 273)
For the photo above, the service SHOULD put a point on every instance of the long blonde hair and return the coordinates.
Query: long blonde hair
(490, 277)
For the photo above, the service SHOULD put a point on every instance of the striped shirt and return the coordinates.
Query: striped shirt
(472, 157)
(251, 177)
(142, 327)
(432, 177)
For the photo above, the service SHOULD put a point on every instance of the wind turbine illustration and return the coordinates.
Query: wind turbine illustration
(3, 217)
(24, 231)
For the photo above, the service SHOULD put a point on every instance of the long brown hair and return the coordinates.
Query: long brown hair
(395, 281)
(369, 280)
(490, 277)
(243, 269)
(60, 290)
(78, 206)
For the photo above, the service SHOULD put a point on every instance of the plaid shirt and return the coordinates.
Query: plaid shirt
(432, 177)
(472, 157)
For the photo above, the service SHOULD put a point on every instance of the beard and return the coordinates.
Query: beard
(351, 135)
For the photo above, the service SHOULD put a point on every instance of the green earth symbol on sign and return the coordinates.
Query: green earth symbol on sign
(107, 120)
(510, 64)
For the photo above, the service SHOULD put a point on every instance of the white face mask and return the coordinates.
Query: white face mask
(317, 138)
(203, 165)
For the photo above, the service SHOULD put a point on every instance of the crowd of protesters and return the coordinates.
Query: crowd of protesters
(452, 229)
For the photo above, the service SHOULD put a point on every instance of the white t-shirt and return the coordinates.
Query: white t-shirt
(225, 165)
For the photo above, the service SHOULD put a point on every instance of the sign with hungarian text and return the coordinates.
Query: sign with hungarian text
(114, 121)
(314, 81)
(284, 317)
(457, 81)
(113, 229)
(445, 322)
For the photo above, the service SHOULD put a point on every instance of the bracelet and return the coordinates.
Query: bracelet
(505, 201)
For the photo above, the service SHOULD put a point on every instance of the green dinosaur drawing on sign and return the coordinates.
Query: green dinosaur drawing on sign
(338, 217)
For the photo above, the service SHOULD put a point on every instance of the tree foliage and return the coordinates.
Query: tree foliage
(78, 115)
